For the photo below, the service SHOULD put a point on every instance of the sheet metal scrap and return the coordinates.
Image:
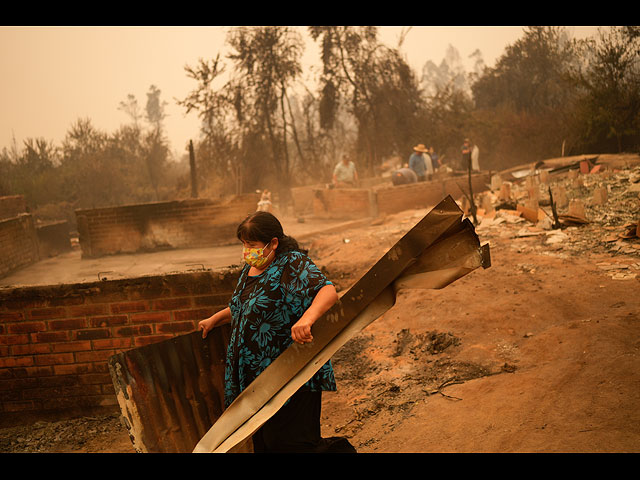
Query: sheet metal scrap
(170, 393)
(435, 252)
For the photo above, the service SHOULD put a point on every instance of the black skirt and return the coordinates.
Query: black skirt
(295, 428)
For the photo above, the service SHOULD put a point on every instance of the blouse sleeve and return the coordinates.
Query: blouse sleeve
(302, 278)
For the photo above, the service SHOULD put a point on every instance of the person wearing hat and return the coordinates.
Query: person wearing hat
(419, 164)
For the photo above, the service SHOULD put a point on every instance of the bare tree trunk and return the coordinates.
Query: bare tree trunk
(294, 131)
(471, 201)
(194, 178)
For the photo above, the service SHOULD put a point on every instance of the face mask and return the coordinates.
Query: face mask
(255, 256)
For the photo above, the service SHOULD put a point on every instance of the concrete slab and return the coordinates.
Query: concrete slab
(72, 268)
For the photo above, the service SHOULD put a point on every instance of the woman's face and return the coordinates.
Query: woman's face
(258, 254)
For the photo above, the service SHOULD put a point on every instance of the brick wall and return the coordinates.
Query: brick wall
(351, 203)
(344, 203)
(55, 340)
(161, 225)
(393, 199)
(11, 206)
(18, 243)
(302, 198)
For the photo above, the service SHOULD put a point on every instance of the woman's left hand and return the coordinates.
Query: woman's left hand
(301, 330)
(323, 301)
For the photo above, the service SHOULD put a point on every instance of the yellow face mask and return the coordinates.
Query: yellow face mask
(255, 256)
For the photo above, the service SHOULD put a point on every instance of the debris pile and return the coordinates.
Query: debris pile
(577, 208)
(61, 436)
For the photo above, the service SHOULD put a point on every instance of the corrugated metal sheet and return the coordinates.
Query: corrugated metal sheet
(170, 393)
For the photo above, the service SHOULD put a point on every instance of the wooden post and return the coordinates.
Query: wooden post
(472, 203)
(556, 221)
(194, 178)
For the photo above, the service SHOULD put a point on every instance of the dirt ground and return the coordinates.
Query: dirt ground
(538, 353)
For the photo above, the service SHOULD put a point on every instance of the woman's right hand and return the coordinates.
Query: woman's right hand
(219, 318)
(206, 325)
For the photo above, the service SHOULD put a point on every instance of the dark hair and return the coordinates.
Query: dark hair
(264, 227)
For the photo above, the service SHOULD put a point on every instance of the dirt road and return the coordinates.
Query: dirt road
(539, 353)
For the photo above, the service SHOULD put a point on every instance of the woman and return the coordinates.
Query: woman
(279, 295)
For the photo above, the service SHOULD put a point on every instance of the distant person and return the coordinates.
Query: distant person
(419, 163)
(435, 159)
(470, 155)
(466, 154)
(345, 173)
(264, 205)
(403, 176)
(475, 158)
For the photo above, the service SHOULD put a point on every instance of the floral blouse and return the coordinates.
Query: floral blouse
(263, 309)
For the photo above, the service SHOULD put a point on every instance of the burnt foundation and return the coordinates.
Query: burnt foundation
(161, 225)
(55, 341)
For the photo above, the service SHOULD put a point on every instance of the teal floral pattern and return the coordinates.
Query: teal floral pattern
(262, 318)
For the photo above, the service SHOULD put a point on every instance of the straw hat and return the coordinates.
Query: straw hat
(420, 148)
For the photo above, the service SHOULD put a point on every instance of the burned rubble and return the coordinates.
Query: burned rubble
(598, 211)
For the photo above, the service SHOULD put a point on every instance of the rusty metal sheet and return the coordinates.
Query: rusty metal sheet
(171, 392)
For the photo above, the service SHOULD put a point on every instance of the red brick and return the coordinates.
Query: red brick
(54, 359)
(100, 367)
(197, 314)
(212, 300)
(21, 406)
(176, 327)
(4, 351)
(172, 303)
(91, 356)
(108, 321)
(10, 395)
(17, 384)
(38, 371)
(30, 349)
(87, 310)
(133, 331)
(26, 327)
(108, 389)
(13, 339)
(129, 307)
(58, 381)
(72, 369)
(121, 343)
(9, 362)
(71, 346)
(67, 324)
(50, 337)
(47, 313)
(154, 317)
(142, 341)
(95, 378)
(11, 316)
(92, 334)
